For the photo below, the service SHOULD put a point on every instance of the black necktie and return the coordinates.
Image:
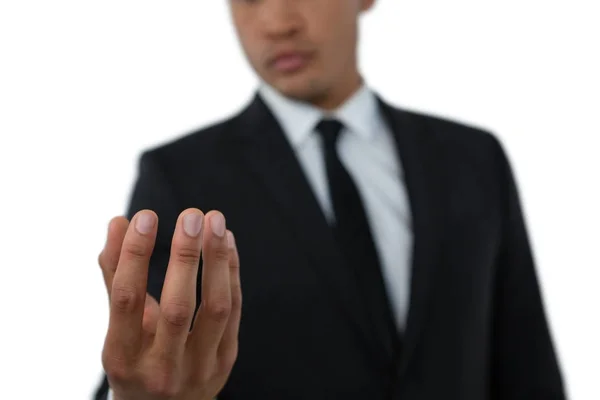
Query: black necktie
(353, 234)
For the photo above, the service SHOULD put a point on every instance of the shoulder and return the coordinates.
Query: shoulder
(198, 147)
(457, 141)
(466, 155)
(450, 131)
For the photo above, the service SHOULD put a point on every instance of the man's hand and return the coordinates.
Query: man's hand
(149, 351)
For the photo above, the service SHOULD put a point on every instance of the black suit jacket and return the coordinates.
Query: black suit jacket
(476, 327)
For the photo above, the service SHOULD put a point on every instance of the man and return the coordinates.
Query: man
(383, 252)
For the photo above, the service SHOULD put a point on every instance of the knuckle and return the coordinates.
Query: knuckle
(136, 250)
(188, 256)
(125, 299)
(119, 374)
(234, 263)
(163, 383)
(202, 377)
(102, 260)
(218, 310)
(177, 313)
(236, 299)
(220, 253)
(117, 369)
(106, 262)
(229, 358)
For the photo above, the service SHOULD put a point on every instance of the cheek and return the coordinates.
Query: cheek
(246, 34)
(252, 48)
(338, 54)
(339, 43)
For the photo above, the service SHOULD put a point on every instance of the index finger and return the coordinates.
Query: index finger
(109, 257)
(128, 292)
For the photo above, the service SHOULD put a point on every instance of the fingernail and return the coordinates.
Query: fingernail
(230, 240)
(192, 223)
(217, 224)
(145, 222)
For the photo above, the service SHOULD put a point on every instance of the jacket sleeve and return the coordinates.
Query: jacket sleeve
(152, 191)
(524, 360)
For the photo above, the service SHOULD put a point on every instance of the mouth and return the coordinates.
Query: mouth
(289, 62)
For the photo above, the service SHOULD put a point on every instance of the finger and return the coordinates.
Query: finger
(128, 291)
(215, 305)
(178, 298)
(229, 345)
(109, 257)
(151, 315)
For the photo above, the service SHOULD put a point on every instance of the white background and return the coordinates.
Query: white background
(86, 85)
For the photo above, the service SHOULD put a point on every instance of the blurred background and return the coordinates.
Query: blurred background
(85, 86)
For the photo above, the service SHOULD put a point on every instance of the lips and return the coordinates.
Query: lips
(290, 62)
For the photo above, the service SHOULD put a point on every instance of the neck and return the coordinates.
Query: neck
(338, 94)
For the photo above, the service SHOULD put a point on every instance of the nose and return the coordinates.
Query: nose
(280, 18)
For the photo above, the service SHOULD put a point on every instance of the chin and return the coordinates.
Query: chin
(302, 86)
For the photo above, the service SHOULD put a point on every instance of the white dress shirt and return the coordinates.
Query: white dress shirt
(367, 150)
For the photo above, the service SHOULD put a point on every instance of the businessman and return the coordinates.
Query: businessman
(382, 253)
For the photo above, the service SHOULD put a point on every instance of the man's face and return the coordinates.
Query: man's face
(303, 48)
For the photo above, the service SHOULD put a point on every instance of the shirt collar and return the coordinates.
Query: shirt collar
(360, 114)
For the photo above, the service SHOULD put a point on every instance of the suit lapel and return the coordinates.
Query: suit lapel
(268, 154)
(423, 176)
(270, 157)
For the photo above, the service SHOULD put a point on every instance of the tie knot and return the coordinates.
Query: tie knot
(330, 130)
